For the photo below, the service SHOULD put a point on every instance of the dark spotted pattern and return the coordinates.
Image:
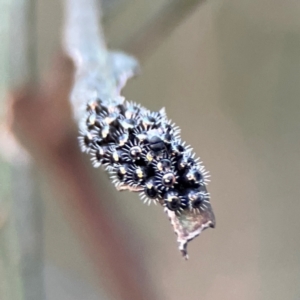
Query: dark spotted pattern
(142, 152)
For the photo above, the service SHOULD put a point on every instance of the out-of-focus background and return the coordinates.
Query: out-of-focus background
(228, 74)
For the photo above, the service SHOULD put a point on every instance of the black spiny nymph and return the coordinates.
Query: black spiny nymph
(142, 151)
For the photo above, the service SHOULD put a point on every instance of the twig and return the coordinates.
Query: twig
(97, 87)
(99, 73)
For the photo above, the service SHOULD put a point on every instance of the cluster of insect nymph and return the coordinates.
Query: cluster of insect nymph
(142, 152)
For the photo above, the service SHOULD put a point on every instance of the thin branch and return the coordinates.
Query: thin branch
(99, 73)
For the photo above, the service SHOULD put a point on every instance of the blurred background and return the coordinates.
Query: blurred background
(227, 72)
